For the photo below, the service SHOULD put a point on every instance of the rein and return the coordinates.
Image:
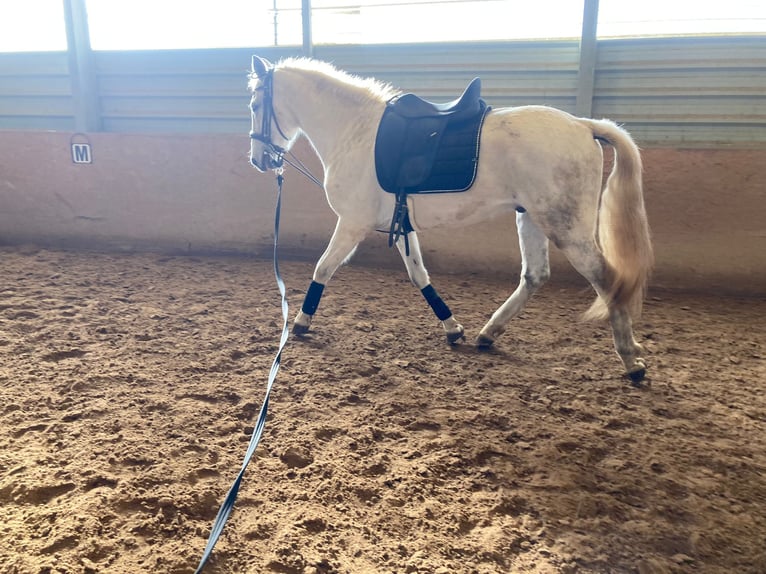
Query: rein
(301, 168)
(231, 496)
(278, 157)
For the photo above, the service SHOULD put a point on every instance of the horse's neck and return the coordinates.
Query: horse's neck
(328, 112)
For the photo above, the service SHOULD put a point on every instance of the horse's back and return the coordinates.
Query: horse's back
(528, 147)
(531, 126)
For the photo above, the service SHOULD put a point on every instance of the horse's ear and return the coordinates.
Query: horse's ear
(260, 66)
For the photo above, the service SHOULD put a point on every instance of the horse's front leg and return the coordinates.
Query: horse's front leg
(344, 240)
(419, 277)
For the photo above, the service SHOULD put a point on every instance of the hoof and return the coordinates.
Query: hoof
(454, 336)
(637, 376)
(299, 329)
(302, 323)
(484, 342)
(637, 373)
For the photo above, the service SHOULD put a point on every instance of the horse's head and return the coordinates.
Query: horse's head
(265, 152)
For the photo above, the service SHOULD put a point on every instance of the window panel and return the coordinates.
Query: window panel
(178, 24)
(32, 26)
(662, 18)
(384, 21)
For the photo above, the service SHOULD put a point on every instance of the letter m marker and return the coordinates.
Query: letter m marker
(81, 153)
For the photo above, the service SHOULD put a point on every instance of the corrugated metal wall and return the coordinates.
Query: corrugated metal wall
(512, 73)
(176, 91)
(673, 91)
(684, 90)
(35, 92)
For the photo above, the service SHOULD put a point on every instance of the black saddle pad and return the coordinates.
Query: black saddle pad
(436, 153)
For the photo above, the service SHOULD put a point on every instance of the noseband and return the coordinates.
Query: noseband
(276, 152)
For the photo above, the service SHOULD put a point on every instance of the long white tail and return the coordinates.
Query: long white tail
(623, 228)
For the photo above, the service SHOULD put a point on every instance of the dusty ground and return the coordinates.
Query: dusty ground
(129, 385)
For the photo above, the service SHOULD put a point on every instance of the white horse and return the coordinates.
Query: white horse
(542, 163)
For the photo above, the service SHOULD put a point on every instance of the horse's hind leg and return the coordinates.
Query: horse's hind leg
(535, 270)
(344, 240)
(419, 277)
(625, 343)
(590, 263)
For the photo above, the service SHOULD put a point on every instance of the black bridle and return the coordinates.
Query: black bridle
(276, 153)
(268, 118)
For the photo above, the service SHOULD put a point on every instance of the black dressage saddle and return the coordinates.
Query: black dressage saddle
(468, 104)
(423, 147)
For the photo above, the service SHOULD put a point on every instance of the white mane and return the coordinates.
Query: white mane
(369, 86)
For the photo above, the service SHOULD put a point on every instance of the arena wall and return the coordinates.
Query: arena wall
(190, 193)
